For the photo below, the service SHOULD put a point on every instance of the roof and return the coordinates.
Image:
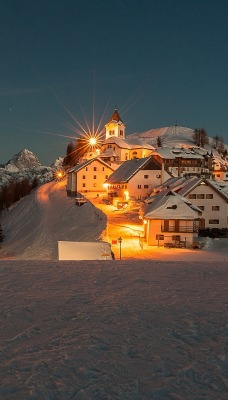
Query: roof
(184, 186)
(118, 141)
(129, 168)
(115, 117)
(80, 166)
(174, 152)
(171, 206)
(124, 144)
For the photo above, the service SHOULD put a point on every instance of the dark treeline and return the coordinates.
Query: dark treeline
(14, 190)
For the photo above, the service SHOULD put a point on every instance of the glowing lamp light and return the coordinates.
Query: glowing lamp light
(126, 194)
(92, 141)
(59, 174)
(145, 221)
(105, 186)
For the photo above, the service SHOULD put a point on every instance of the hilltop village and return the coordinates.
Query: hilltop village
(176, 190)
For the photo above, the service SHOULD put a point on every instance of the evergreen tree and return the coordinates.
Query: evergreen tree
(200, 137)
(216, 141)
(221, 146)
(159, 141)
(1, 233)
(69, 158)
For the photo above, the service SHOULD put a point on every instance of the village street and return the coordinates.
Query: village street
(127, 226)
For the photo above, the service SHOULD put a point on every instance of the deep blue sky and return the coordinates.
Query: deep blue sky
(158, 61)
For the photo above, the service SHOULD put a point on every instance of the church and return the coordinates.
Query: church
(115, 148)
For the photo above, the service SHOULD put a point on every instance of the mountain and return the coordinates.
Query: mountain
(25, 164)
(23, 160)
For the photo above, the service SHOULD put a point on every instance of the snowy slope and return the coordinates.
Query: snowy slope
(33, 226)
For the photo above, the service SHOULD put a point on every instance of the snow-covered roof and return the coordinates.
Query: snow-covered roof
(78, 167)
(172, 206)
(130, 167)
(184, 186)
(125, 144)
(174, 152)
(118, 141)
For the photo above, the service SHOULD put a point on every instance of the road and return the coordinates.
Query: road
(128, 226)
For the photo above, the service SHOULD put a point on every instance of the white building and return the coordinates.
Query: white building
(170, 220)
(88, 176)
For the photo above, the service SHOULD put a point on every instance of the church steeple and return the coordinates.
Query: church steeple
(115, 126)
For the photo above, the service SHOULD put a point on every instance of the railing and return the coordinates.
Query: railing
(180, 229)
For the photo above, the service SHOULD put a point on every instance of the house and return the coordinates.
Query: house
(171, 221)
(135, 179)
(185, 162)
(88, 176)
(203, 193)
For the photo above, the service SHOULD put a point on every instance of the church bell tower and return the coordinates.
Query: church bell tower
(115, 127)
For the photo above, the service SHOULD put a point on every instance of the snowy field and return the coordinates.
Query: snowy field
(113, 330)
(136, 329)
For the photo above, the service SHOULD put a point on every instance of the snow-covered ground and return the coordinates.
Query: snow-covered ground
(134, 329)
(123, 330)
(34, 226)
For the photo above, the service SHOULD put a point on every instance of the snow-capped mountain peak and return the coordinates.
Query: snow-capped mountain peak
(23, 160)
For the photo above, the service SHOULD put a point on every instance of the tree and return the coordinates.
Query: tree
(200, 137)
(221, 146)
(69, 158)
(1, 233)
(216, 139)
(75, 151)
(159, 141)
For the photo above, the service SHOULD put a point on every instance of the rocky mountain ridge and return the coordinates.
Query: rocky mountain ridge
(25, 164)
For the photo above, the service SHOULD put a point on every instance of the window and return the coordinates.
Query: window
(121, 133)
(200, 196)
(159, 237)
(102, 168)
(146, 186)
(192, 196)
(146, 176)
(139, 186)
(201, 207)
(83, 185)
(86, 168)
(83, 176)
(94, 176)
(106, 176)
(213, 221)
(209, 196)
(94, 185)
(94, 168)
(215, 208)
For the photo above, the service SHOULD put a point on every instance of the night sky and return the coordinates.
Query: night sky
(159, 62)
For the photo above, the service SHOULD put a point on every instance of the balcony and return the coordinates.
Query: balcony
(180, 229)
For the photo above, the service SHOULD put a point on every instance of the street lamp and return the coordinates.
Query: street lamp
(120, 241)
